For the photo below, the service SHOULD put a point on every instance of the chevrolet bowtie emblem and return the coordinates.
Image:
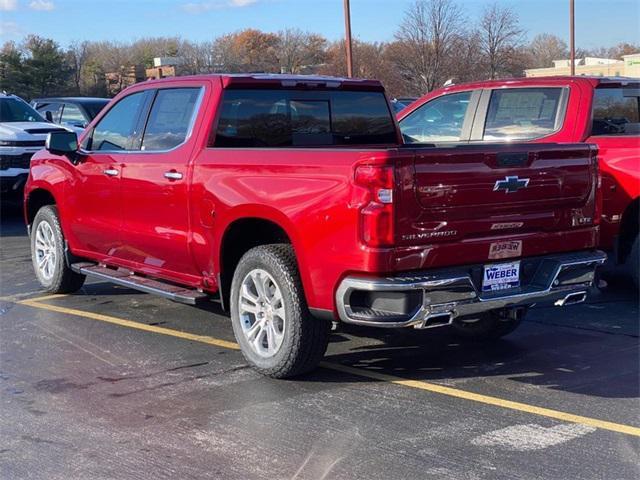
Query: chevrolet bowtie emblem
(511, 184)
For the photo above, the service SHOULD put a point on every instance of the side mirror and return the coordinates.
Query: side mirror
(49, 116)
(64, 143)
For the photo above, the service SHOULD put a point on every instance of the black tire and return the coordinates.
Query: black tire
(632, 262)
(62, 279)
(487, 326)
(305, 337)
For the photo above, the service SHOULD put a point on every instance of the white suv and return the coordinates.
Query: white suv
(23, 132)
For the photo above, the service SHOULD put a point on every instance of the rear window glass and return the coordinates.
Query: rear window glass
(615, 111)
(292, 118)
(523, 113)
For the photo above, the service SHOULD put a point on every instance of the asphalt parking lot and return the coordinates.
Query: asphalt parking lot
(111, 383)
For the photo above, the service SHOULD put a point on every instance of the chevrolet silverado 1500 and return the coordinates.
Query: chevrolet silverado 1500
(293, 201)
(598, 110)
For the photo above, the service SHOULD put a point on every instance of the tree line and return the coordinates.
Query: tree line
(435, 42)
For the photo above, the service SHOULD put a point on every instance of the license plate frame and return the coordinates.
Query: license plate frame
(501, 276)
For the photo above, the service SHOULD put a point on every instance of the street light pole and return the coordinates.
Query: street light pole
(347, 27)
(572, 37)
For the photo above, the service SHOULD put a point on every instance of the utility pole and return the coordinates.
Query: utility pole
(347, 28)
(572, 37)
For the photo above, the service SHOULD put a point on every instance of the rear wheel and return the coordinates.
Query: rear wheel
(47, 254)
(632, 262)
(489, 325)
(271, 321)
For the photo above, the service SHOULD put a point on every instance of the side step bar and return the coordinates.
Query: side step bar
(136, 282)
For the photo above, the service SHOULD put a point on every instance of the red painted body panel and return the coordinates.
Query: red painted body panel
(174, 229)
(619, 156)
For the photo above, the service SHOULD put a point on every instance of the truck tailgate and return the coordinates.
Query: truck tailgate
(462, 193)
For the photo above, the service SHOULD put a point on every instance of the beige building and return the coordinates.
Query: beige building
(165, 67)
(125, 77)
(629, 66)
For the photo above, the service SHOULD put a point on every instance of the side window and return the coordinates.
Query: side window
(116, 129)
(523, 113)
(170, 118)
(54, 108)
(72, 115)
(616, 111)
(439, 120)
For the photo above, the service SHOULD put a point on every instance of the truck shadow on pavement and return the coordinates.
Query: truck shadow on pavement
(556, 354)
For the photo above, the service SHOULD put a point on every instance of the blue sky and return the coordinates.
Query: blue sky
(598, 22)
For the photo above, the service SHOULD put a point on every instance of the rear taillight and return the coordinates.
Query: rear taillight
(597, 213)
(376, 214)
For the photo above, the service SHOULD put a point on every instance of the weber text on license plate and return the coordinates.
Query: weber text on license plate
(501, 276)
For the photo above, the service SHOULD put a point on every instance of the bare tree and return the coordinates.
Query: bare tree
(500, 36)
(464, 63)
(370, 60)
(297, 50)
(545, 48)
(615, 52)
(424, 41)
(77, 55)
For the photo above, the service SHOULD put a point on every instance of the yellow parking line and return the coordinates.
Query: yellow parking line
(383, 377)
(476, 397)
(129, 324)
(46, 297)
(16, 297)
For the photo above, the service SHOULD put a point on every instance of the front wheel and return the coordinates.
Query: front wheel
(489, 325)
(271, 321)
(47, 254)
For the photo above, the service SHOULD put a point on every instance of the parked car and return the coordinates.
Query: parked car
(400, 104)
(292, 200)
(598, 110)
(74, 112)
(22, 133)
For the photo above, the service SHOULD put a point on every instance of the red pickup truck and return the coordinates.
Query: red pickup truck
(598, 110)
(294, 202)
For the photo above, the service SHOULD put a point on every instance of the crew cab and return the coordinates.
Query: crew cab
(598, 110)
(22, 133)
(293, 201)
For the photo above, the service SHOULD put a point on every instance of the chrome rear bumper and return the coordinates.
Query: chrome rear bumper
(436, 297)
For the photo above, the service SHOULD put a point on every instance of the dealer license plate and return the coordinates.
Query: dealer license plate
(501, 276)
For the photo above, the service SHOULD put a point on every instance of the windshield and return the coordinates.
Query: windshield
(14, 110)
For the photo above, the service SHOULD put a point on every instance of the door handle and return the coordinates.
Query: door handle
(173, 175)
(111, 172)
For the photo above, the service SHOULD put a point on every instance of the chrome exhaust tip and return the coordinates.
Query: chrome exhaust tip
(436, 320)
(572, 299)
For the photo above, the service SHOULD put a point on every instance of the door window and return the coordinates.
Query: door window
(72, 115)
(439, 120)
(117, 129)
(523, 113)
(54, 108)
(616, 111)
(170, 118)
